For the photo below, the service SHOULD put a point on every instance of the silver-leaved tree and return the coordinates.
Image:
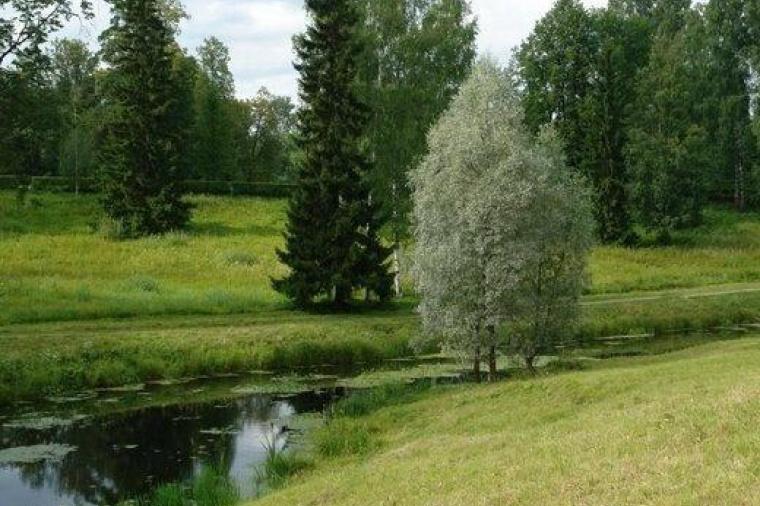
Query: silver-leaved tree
(502, 228)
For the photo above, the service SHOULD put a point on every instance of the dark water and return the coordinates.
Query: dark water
(118, 446)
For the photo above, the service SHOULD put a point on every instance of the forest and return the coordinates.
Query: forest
(436, 275)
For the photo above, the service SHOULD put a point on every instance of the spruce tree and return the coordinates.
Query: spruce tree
(332, 243)
(141, 157)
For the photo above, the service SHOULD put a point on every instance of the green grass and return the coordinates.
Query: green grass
(677, 429)
(43, 360)
(80, 311)
(54, 267)
(726, 249)
(210, 488)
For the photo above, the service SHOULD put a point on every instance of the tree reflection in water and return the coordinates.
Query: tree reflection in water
(122, 455)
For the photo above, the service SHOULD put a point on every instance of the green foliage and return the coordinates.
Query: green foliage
(213, 133)
(729, 34)
(270, 119)
(667, 152)
(332, 244)
(619, 50)
(578, 69)
(73, 67)
(417, 54)
(502, 228)
(27, 25)
(141, 160)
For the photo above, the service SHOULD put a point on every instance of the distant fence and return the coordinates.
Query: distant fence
(90, 185)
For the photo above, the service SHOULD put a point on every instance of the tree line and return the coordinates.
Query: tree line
(655, 103)
(652, 102)
(55, 103)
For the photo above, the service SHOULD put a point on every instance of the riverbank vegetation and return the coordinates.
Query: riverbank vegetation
(82, 310)
(671, 421)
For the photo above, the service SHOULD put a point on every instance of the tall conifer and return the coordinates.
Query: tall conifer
(332, 235)
(141, 159)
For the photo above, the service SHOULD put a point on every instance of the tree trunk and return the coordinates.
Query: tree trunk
(492, 367)
(341, 296)
(530, 363)
(739, 187)
(476, 365)
(397, 274)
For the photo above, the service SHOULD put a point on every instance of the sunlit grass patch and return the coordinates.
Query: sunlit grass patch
(675, 429)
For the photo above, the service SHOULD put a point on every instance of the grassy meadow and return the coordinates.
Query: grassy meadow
(55, 265)
(79, 309)
(669, 430)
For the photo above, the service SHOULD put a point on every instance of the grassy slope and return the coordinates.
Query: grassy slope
(53, 268)
(205, 305)
(674, 430)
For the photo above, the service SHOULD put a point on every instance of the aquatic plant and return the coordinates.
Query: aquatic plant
(35, 453)
(279, 466)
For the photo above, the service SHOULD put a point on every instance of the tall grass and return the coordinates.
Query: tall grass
(279, 466)
(657, 430)
(39, 361)
(50, 255)
(725, 249)
(209, 488)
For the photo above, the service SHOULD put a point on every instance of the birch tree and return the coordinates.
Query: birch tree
(501, 226)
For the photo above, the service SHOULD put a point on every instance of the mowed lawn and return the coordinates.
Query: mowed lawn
(55, 266)
(678, 430)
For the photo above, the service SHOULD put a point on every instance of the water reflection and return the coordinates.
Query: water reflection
(121, 455)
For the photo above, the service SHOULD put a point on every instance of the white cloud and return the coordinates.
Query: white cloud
(259, 33)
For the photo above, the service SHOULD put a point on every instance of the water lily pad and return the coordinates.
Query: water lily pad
(220, 431)
(126, 388)
(34, 454)
(43, 422)
(272, 388)
(84, 396)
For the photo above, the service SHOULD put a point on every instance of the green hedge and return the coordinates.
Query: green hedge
(48, 183)
(89, 185)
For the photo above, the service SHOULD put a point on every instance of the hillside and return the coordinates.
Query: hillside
(56, 264)
(80, 310)
(673, 430)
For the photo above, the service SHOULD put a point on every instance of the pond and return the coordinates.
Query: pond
(109, 446)
(104, 447)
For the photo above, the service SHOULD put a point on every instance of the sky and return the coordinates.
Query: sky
(259, 33)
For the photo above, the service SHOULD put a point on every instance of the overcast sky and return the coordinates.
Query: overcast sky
(259, 32)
